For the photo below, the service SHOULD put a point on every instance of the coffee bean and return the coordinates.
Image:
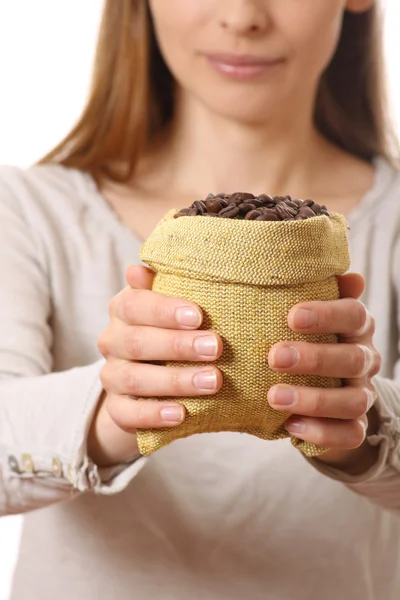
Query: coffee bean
(201, 207)
(316, 208)
(268, 216)
(243, 205)
(284, 211)
(239, 197)
(305, 212)
(252, 215)
(224, 203)
(230, 212)
(265, 199)
(245, 208)
(213, 206)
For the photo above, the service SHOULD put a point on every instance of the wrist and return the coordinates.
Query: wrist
(108, 445)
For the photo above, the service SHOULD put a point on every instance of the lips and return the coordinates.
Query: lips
(242, 66)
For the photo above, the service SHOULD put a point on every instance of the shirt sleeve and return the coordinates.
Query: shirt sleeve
(44, 416)
(381, 483)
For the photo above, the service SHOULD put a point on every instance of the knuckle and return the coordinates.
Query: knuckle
(175, 382)
(105, 376)
(128, 304)
(317, 402)
(103, 343)
(316, 360)
(372, 324)
(329, 316)
(133, 343)
(356, 362)
(359, 403)
(358, 315)
(178, 347)
(160, 310)
(133, 383)
(376, 363)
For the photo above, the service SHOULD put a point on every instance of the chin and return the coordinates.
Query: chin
(254, 112)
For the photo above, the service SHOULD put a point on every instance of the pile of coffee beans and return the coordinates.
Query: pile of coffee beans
(257, 208)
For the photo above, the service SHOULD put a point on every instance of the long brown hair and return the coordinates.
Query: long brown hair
(131, 96)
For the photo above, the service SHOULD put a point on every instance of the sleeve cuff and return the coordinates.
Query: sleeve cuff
(387, 438)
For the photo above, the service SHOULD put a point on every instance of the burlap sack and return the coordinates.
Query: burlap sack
(246, 276)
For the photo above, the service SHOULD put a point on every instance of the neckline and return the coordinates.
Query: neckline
(382, 178)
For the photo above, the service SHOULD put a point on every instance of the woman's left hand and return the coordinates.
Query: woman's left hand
(335, 418)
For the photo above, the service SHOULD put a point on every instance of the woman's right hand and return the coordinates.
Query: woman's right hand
(145, 327)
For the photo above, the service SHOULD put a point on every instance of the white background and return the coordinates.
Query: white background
(46, 49)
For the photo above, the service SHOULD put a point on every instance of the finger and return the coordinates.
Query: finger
(333, 403)
(138, 379)
(130, 414)
(139, 277)
(328, 433)
(351, 285)
(346, 317)
(152, 343)
(345, 361)
(144, 307)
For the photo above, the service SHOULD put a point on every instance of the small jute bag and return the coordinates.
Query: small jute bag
(246, 276)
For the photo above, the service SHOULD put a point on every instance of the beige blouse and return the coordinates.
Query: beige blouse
(216, 516)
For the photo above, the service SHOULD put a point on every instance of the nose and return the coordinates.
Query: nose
(243, 17)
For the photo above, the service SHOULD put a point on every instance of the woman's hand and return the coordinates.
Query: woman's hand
(333, 418)
(145, 327)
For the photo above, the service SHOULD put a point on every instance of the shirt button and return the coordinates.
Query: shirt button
(13, 464)
(56, 467)
(27, 463)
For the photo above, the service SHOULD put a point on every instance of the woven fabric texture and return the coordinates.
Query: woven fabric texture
(246, 276)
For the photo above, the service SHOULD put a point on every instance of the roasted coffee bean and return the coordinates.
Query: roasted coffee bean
(291, 204)
(268, 216)
(252, 215)
(245, 208)
(201, 207)
(305, 212)
(224, 203)
(230, 212)
(213, 206)
(265, 199)
(284, 211)
(316, 208)
(243, 205)
(240, 197)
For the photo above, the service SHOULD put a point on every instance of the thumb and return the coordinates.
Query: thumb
(139, 277)
(351, 285)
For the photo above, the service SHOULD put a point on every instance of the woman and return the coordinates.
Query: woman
(190, 97)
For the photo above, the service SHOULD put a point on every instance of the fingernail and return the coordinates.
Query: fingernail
(370, 398)
(173, 414)
(205, 380)
(188, 316)
(285, 396)
(282, 358)
(295, 426)
(363, 424)
(206, 345)
(302, 318)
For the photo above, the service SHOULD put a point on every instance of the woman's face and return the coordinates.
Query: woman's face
(246, 59)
